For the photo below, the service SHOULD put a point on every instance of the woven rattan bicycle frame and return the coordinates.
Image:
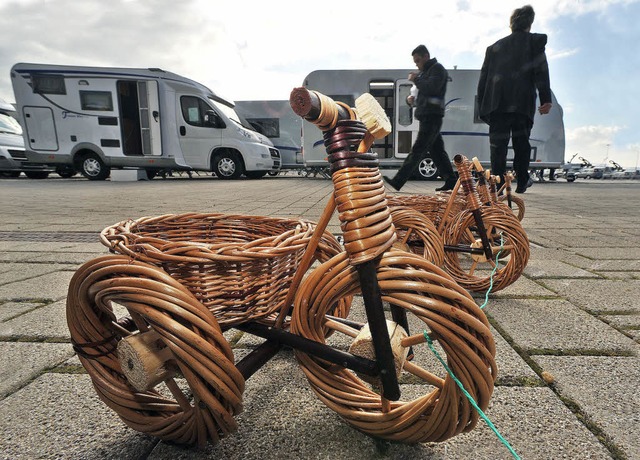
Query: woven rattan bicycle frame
(162, 277)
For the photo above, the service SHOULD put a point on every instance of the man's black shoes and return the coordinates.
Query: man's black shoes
(391, 183)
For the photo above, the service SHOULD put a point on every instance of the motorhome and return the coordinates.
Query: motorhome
(462, 130)
(98, 118)
(276, 120)
(13, 160)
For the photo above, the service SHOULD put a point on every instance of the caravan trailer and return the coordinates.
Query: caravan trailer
(276, 120)
(98, 118)
(462, 130)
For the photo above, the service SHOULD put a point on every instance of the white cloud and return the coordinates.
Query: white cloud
(597, 143)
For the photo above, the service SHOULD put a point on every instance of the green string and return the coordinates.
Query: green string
(470, 398)
(493, 272)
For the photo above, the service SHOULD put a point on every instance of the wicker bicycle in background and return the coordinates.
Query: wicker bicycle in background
(148, 322)
(476, 226)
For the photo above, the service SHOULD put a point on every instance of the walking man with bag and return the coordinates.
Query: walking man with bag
(431, 81)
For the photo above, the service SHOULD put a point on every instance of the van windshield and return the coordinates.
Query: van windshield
(9, 125)
(231, 113)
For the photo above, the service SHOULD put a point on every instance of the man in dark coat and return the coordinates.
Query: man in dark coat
(431, 81)
(514, 67)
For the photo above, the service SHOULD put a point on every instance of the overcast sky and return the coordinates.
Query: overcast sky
(257, 49)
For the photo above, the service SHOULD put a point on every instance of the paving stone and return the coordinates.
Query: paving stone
(557, 325)
(606, 252)
(626, 275)
(554, 269)
(43, 323)
(623, 321)
(22, 361)
(24, 271)
(606, 389)
(522, 287)
(59, 416)
(599, 295)
(12, 309)
(52, 286)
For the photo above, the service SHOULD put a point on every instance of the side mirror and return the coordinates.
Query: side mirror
(211, 118)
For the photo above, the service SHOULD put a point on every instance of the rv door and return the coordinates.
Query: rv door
(405, 124)
(149, 117)
(140, 117)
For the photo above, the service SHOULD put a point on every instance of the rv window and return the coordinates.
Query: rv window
(48, 84)
(194, 110)
(96, 100)
(270, 127)
(405, 111)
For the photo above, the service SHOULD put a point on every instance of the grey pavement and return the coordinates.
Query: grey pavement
(567, 332)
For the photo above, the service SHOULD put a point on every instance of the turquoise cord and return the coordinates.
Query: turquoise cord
(470, 398)
(493, 272)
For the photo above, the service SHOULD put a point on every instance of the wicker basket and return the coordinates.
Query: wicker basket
(432, 207)
(239, 267)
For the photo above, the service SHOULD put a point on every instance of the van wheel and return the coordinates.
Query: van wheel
(37, 174)
(10, 174)
(427, 170)
(93, 168)
(227, 165)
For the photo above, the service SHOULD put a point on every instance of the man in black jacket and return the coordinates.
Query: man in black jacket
(514, 67)
(431, 81)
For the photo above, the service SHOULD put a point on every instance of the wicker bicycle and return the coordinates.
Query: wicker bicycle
(148, 323)
(476, 227)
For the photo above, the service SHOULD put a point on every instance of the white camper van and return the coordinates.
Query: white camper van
(462, 130)
(13, 160)
(276, 120)
(97, 118)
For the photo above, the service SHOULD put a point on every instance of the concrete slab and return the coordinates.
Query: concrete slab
(60, 416)
(12, 309)
(24, 271)
(48, 322)
(558, 326)
(280, 423)
(606, 389)
(538, 268)
(626, 275)
(21, 362)
(623, 321)
(607, 252)
(522, 287)
(52, 286)
(599, 296)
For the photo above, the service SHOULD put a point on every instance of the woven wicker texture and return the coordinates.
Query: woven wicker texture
(432, 207)
(417, 234)
(517, 205)
(445, 310)
(156, 302)
(359, 193)
(239, 267)
(504, 232)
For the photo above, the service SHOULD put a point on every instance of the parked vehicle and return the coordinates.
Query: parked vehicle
(462, 129)
(13, 160)
(276, 120)
(570, 170)
(94, 119)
